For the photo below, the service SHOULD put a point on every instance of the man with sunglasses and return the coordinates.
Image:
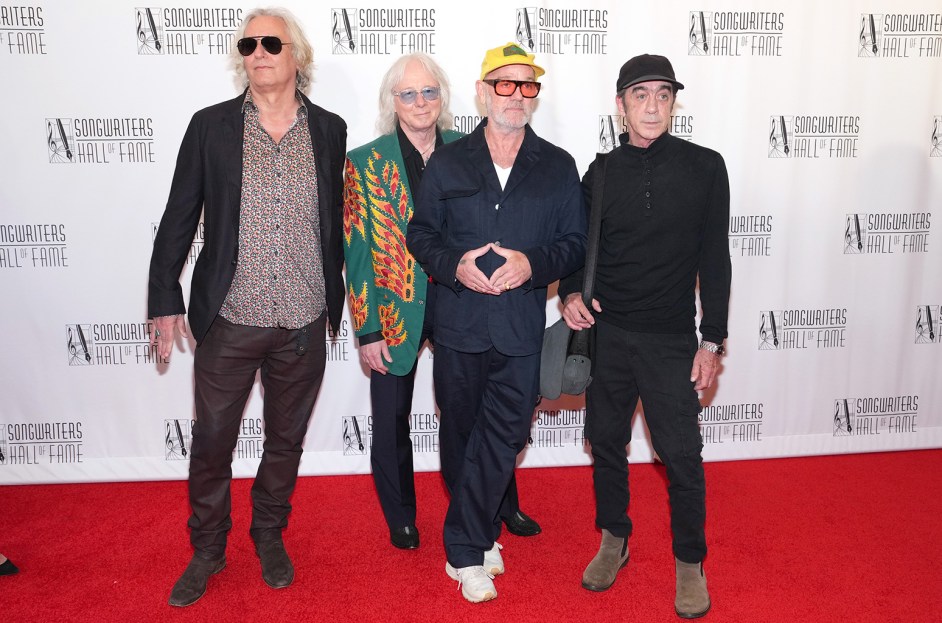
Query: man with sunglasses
(265, 170)
(389, 293)
(665, 215)
(499, 217)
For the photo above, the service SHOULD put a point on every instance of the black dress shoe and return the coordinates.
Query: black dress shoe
(277, 570)
(8, 568)
(405, 538)
(521, 525)
(192, 584)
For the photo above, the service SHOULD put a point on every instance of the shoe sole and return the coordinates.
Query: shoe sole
(453, 574)
(198, 597)
(695, 615)
(487, 597)
(599, 589)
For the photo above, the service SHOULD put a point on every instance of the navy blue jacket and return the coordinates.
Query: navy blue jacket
(461, 206)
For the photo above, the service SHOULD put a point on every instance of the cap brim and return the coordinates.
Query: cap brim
(648, 79)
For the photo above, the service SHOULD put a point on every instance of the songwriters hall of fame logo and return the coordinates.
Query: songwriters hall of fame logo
(876, 415)
(887, 233)
(111, 344)
(99, 140)
(382, 31)
(813, 136)
(735, 33)
(927, 324)
(354, 435)
(185, 31)
(612, 126)
(4, 448)
(899, 35)
(562, 31)
(178, 438)
(796, 329)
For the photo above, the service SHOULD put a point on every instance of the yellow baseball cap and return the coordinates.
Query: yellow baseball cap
(508, 54)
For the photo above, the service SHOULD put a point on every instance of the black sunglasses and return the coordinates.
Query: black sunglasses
(505, 88)
(271, 44)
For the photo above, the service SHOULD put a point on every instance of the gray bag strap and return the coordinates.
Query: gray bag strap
(580, 339)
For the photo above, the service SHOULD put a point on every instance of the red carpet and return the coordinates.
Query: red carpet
(853, 538)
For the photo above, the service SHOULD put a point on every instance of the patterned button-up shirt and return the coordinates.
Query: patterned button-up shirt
(279, 279)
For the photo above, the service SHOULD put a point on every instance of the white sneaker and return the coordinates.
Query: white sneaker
(475, 583)
(493, 562)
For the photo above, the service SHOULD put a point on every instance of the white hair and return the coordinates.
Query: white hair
(386, 122)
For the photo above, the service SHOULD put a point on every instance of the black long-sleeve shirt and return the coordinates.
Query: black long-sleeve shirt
(664, 223)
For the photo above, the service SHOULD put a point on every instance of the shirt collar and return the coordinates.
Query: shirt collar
(248, 104)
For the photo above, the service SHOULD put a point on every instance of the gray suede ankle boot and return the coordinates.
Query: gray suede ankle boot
(612, 556)
(692, 600)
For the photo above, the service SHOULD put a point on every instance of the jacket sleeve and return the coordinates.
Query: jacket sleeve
(426, 233)
(572, 282)
(177, 226)
(715, 266)
(566, 253)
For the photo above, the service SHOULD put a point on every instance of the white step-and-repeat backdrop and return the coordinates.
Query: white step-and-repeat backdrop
(829, 115)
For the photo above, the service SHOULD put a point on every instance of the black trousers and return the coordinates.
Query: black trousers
(486, 401)
(225, 366)
(656, 367)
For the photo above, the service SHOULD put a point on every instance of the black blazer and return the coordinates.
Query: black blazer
(208, 179)
(461, 206)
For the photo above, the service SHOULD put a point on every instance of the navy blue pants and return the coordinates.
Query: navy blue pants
(486, 401)
(627, 365)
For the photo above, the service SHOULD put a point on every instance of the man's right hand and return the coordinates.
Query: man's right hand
(576, 314)
(471, 276)
(164, 335)
(375, 355)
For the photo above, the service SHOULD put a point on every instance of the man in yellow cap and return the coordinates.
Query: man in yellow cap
(499, 216)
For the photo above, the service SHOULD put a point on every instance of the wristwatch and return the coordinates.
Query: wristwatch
(716, 349)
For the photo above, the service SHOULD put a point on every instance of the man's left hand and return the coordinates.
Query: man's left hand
(514, 272)
(705, 366)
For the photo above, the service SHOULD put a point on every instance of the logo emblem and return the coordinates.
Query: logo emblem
(526, 28)
(353, 442)
(844, 421)
(770, 327)
(935, 141)
(782, 132)
(60, 140)
(343, 31)
(927, 324)
(855, 234)
(698, 34)
(150, 30)
(79, 344)
(177, 439)
(871, 35)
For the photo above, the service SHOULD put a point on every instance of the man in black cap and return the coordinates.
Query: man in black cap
(664, 226)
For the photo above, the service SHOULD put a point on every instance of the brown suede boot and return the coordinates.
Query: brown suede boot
(692, 600)
(612, 556)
